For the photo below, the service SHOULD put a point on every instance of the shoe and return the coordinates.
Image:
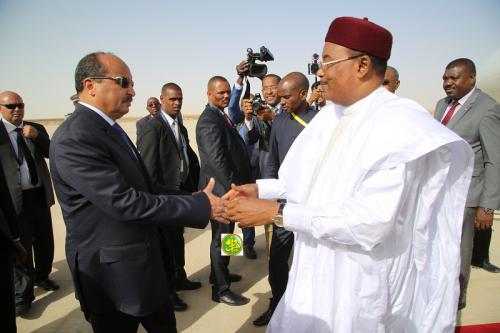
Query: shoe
(249, 252)
(47, 284)
(230, 277)
(489, 267)
(229, 298)
(264, 318)
(177, 303)
(186, 284)
(22, 308)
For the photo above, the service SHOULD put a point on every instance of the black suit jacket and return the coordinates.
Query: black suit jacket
(112, 217)
(222, 152)
(140, 124)
(8, 217)
(161, 155)
(10, 166)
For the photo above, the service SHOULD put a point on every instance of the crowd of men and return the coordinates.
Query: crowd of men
(368, 186)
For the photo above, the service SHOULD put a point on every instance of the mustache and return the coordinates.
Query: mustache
(128, 99)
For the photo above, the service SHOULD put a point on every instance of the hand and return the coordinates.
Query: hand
(247, 190)
(247, 108)
(483, 220)
(216, 203)
(21, 252)
(313, 98)
(250, 212)
(30, 132)
(266, 114)
(242, 68)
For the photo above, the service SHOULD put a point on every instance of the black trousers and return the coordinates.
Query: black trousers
(35, 227)
(160, 321)
(219, 272)
(7, 289)
(172, 240)
(281, 247)
(481, 248)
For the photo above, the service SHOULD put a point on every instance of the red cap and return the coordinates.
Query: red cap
(360, 35)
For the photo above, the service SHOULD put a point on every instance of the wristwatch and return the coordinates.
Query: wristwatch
(278, 219)
(488, 210)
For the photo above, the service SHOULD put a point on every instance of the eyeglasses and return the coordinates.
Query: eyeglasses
(324, 65)
(122, 81)
(269, 88)
(13, 106)
(153, 104)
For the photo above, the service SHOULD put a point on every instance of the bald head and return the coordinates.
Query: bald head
(391, 79)
(292, 91)
(12, 107)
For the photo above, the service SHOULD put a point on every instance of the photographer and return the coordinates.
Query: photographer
(317, 98)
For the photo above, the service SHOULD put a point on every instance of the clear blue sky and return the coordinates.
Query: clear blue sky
(187, 42)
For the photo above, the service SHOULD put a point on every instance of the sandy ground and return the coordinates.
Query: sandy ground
(59, 312)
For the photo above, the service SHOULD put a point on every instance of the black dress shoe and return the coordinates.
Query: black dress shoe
(47, 284)
(249, 252)
(177, 303)
(230, 277)
(229, 298)
(186, 284)
(487, 266)
(22, 308)
(264, 318)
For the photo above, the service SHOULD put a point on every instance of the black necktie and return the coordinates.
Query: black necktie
(124, 137)
(23, 153)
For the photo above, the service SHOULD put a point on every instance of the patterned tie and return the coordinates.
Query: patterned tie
(124, 138)
(448, 116)
(23, 153)
(182, 152)
(228, 120)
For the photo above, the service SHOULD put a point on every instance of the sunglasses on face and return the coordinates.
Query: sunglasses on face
(14, 106)
(122, 81)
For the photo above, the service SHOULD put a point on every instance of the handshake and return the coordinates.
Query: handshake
(241, 205)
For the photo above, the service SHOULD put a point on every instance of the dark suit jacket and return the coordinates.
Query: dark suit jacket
(10, 166)
(222, 152)
(161, 155)
(8, 217)
(112, 217)
(139, 125)
(478, 123)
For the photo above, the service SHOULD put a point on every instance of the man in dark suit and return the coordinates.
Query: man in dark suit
(110, 207)
(223, 156)
(170, 161)
(471, 114)
(153, 107)
(11, 251)
(23, 149)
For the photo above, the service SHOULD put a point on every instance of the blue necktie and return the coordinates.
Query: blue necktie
(124, 137)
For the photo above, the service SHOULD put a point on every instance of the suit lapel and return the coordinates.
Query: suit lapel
(168, 130)
(464, 109)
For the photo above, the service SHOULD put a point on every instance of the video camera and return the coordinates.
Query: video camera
(258, 70)
(313, 67)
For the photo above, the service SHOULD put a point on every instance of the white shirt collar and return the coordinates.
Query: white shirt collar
(11, 127)
(99, 112)
(167, 118)
(464, 99)
(362, 102)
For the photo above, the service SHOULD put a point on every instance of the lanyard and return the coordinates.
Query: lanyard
(300, 121)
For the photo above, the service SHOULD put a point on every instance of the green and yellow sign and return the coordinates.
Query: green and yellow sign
(231, 245)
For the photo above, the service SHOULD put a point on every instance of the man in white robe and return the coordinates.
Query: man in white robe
(375, 190)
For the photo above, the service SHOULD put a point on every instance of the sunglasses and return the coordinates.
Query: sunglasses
(122, 81)
(14, 106)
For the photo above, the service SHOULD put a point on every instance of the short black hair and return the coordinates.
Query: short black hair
(170, 85)
(463, 62)
(214, 79)
(89, 66)
(277, 77)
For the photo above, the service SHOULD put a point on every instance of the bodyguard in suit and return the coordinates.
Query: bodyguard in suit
(11, 252)
(170, 161)
(471, 114)
(111, 208)
(153, 108)
(223, 156)
(23, 148)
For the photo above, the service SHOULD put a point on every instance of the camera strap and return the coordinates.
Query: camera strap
(246, 95)
(299, 120)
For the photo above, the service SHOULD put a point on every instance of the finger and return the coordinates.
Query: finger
(210, 186)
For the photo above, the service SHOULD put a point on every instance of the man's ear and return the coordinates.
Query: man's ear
(90, 86)
(363, 65)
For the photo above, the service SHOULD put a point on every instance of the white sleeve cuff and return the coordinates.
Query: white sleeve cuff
(249, 124)
(271, 189)
(237, 86)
